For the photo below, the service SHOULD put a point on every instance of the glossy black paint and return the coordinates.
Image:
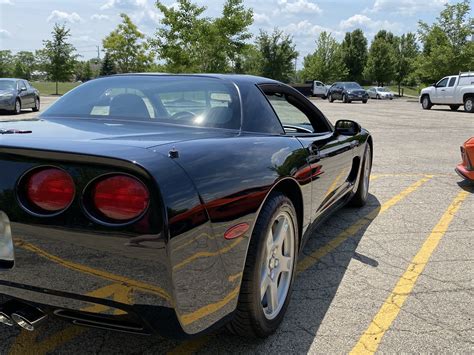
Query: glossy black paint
(172, 271)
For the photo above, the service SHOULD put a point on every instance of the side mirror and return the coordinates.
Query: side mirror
(347, 128)
(434, 84)
(22, 89)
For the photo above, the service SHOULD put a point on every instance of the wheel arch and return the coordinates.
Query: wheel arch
(466, 95)
(291, 189)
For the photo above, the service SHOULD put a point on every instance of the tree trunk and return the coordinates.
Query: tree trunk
(57, 93)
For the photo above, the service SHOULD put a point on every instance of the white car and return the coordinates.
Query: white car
(380, 93)
(453, 91)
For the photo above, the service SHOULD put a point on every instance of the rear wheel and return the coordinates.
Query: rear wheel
(360, 197)
(469, 104)
(364, 101)
(269, 270)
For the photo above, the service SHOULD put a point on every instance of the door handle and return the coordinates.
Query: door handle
(443, 90)
(355, 144)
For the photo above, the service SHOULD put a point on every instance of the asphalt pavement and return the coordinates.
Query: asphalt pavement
(395, 276)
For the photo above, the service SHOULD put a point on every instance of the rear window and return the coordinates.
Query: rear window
(186, 100)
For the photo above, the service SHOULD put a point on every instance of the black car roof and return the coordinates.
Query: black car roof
(236, 78)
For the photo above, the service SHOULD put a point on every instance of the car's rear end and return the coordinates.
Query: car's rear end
(466, 168)
(82, 237)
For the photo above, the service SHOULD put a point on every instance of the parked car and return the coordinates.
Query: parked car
(195, 214)
(18, 94)
(380, 93)
(319, 89)
(347, 92)
(465, 169)
(454, 91)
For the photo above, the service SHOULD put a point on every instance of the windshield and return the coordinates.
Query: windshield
(185, 100)
(352, 86)
(7, 84)
(382, 89)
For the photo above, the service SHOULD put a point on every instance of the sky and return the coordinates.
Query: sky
(24, 24)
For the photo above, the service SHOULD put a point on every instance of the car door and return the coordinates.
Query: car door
(330, 157)
(448, 94)
(319, 88)
(438, 94)
(23, 94)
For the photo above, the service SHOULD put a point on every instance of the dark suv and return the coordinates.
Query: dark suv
(347, 92)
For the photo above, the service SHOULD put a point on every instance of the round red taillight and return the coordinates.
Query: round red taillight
(50, 190)
(120, 198)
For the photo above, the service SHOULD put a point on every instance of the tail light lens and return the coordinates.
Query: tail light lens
(49, 190)
(120, 198)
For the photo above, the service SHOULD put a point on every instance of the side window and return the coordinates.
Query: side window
(22, 84)
(452, 81)
(288, 114)
(265, 121)
(442, 83)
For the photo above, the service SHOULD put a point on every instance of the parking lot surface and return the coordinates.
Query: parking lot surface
(394, 276)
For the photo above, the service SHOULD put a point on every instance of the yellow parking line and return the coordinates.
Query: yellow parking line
(370, 340)
(190, 346)
(95, 272)
(349, 232)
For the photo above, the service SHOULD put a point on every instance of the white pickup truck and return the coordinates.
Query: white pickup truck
(454, 91)
(318, 89)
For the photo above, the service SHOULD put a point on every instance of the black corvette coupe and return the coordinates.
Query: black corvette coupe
(169, 204)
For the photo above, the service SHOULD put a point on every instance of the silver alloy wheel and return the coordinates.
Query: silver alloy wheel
(468, 105)
(18, 106)
(37, 104)
(367, 167)
(277, 266)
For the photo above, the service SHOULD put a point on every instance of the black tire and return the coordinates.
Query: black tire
(426, 103)
(330, 98)
(345, 99)
(469, 104)
(362, 193)
(364, 101)
(324, 97)
(250, 319)
(37, 106)
(17, 109)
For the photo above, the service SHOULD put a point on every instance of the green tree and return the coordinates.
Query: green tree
(24, 64)
(59, 55)
(83, 71)
(250, 61)
(178, 41)
(447, 44)
(232, 32)
(406, 54)
(380, 66)
(277, 55)
(354, 54)
(108, 66)
(326, 63)
(126, 47)
(189, 42)
(6, 60)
